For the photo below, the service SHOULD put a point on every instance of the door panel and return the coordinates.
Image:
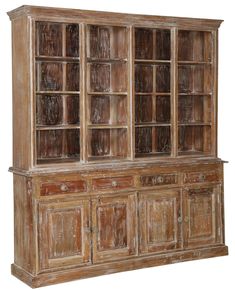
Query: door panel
(114, 227)
(202, 216)
(64, 237)
(160, 214)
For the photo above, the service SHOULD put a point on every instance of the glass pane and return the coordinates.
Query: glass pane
(163, 44)
(143, 43)
(72, 40)
(143, 109)
(195, 79)
(107, 42)
(163, 139)
(72, 77)
(72, 103)
(163, 109)
(143, 140)
(194, 46)
(49, 39)
(49, 76)
(163, 77)
(49, 110)
(194, 140)
(143, 78)
(194, 109)
(107, 143)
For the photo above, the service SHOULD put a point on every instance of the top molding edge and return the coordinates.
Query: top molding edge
(86, 15)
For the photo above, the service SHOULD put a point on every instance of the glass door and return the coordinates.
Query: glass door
(152, 91)
(195, 88)
(107, 92)
(57, 95)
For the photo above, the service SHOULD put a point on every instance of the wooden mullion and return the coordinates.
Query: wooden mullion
(153, 96)
(131, 94)
(132, 91)
(214, 96)
(174, 92)
(64, 68)
(84, 102)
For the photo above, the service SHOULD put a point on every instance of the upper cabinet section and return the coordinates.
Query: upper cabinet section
(109, 86)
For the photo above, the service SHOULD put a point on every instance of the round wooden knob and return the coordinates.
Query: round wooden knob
(64, 187)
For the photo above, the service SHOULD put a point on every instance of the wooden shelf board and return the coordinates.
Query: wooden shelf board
(195, 94)
(192, 62)
(107, 60)
(195, 124)
(153, 61)
(152, 125)
(152, 154)
(58, 92)
(57, 127)
(107, 126)
(58, 160)
(57, 58)
(108, 93)
(153, 93)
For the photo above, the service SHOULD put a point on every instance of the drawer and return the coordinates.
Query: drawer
(197, 177)
(112, 183)
(159, 179)
(62, 187)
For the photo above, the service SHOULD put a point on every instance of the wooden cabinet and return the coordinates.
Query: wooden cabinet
(115, 156)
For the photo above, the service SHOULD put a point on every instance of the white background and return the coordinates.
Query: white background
(216, 273)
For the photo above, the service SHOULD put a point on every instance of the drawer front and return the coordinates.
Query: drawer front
(158, 179)
(197, 177)
(112, 183)
(60, 187)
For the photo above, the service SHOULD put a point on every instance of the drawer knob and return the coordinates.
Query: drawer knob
(114, 183)
(160, 179)
(202, 177)
(64, 187)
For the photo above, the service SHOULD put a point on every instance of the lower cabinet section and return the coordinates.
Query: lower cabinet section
(114, 227)
(115, 222)
(159, 214)
(64, 236)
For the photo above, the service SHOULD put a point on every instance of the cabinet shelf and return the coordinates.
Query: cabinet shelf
(152, 125)
(195, 94)
(193, 62)
(57, 127)
(57, 58)
(58, 92)
(153, 94)
(108, 93)
(152, 61)
(195, 124)
(107, 60)
(107, 126)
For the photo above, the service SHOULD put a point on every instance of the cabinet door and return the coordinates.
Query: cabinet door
(159, 220)
(64, 237)
(202, 216)
(114, 227)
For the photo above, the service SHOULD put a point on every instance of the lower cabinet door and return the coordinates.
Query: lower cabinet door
(159, 220)
(64, 237)
(114, 227)
(202, 216)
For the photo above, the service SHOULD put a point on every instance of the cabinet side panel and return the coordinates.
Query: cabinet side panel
(24, 238)
(21, 93)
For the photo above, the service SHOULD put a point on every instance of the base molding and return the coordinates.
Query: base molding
(117, 266)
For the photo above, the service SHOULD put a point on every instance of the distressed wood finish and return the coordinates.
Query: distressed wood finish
(114, 158)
